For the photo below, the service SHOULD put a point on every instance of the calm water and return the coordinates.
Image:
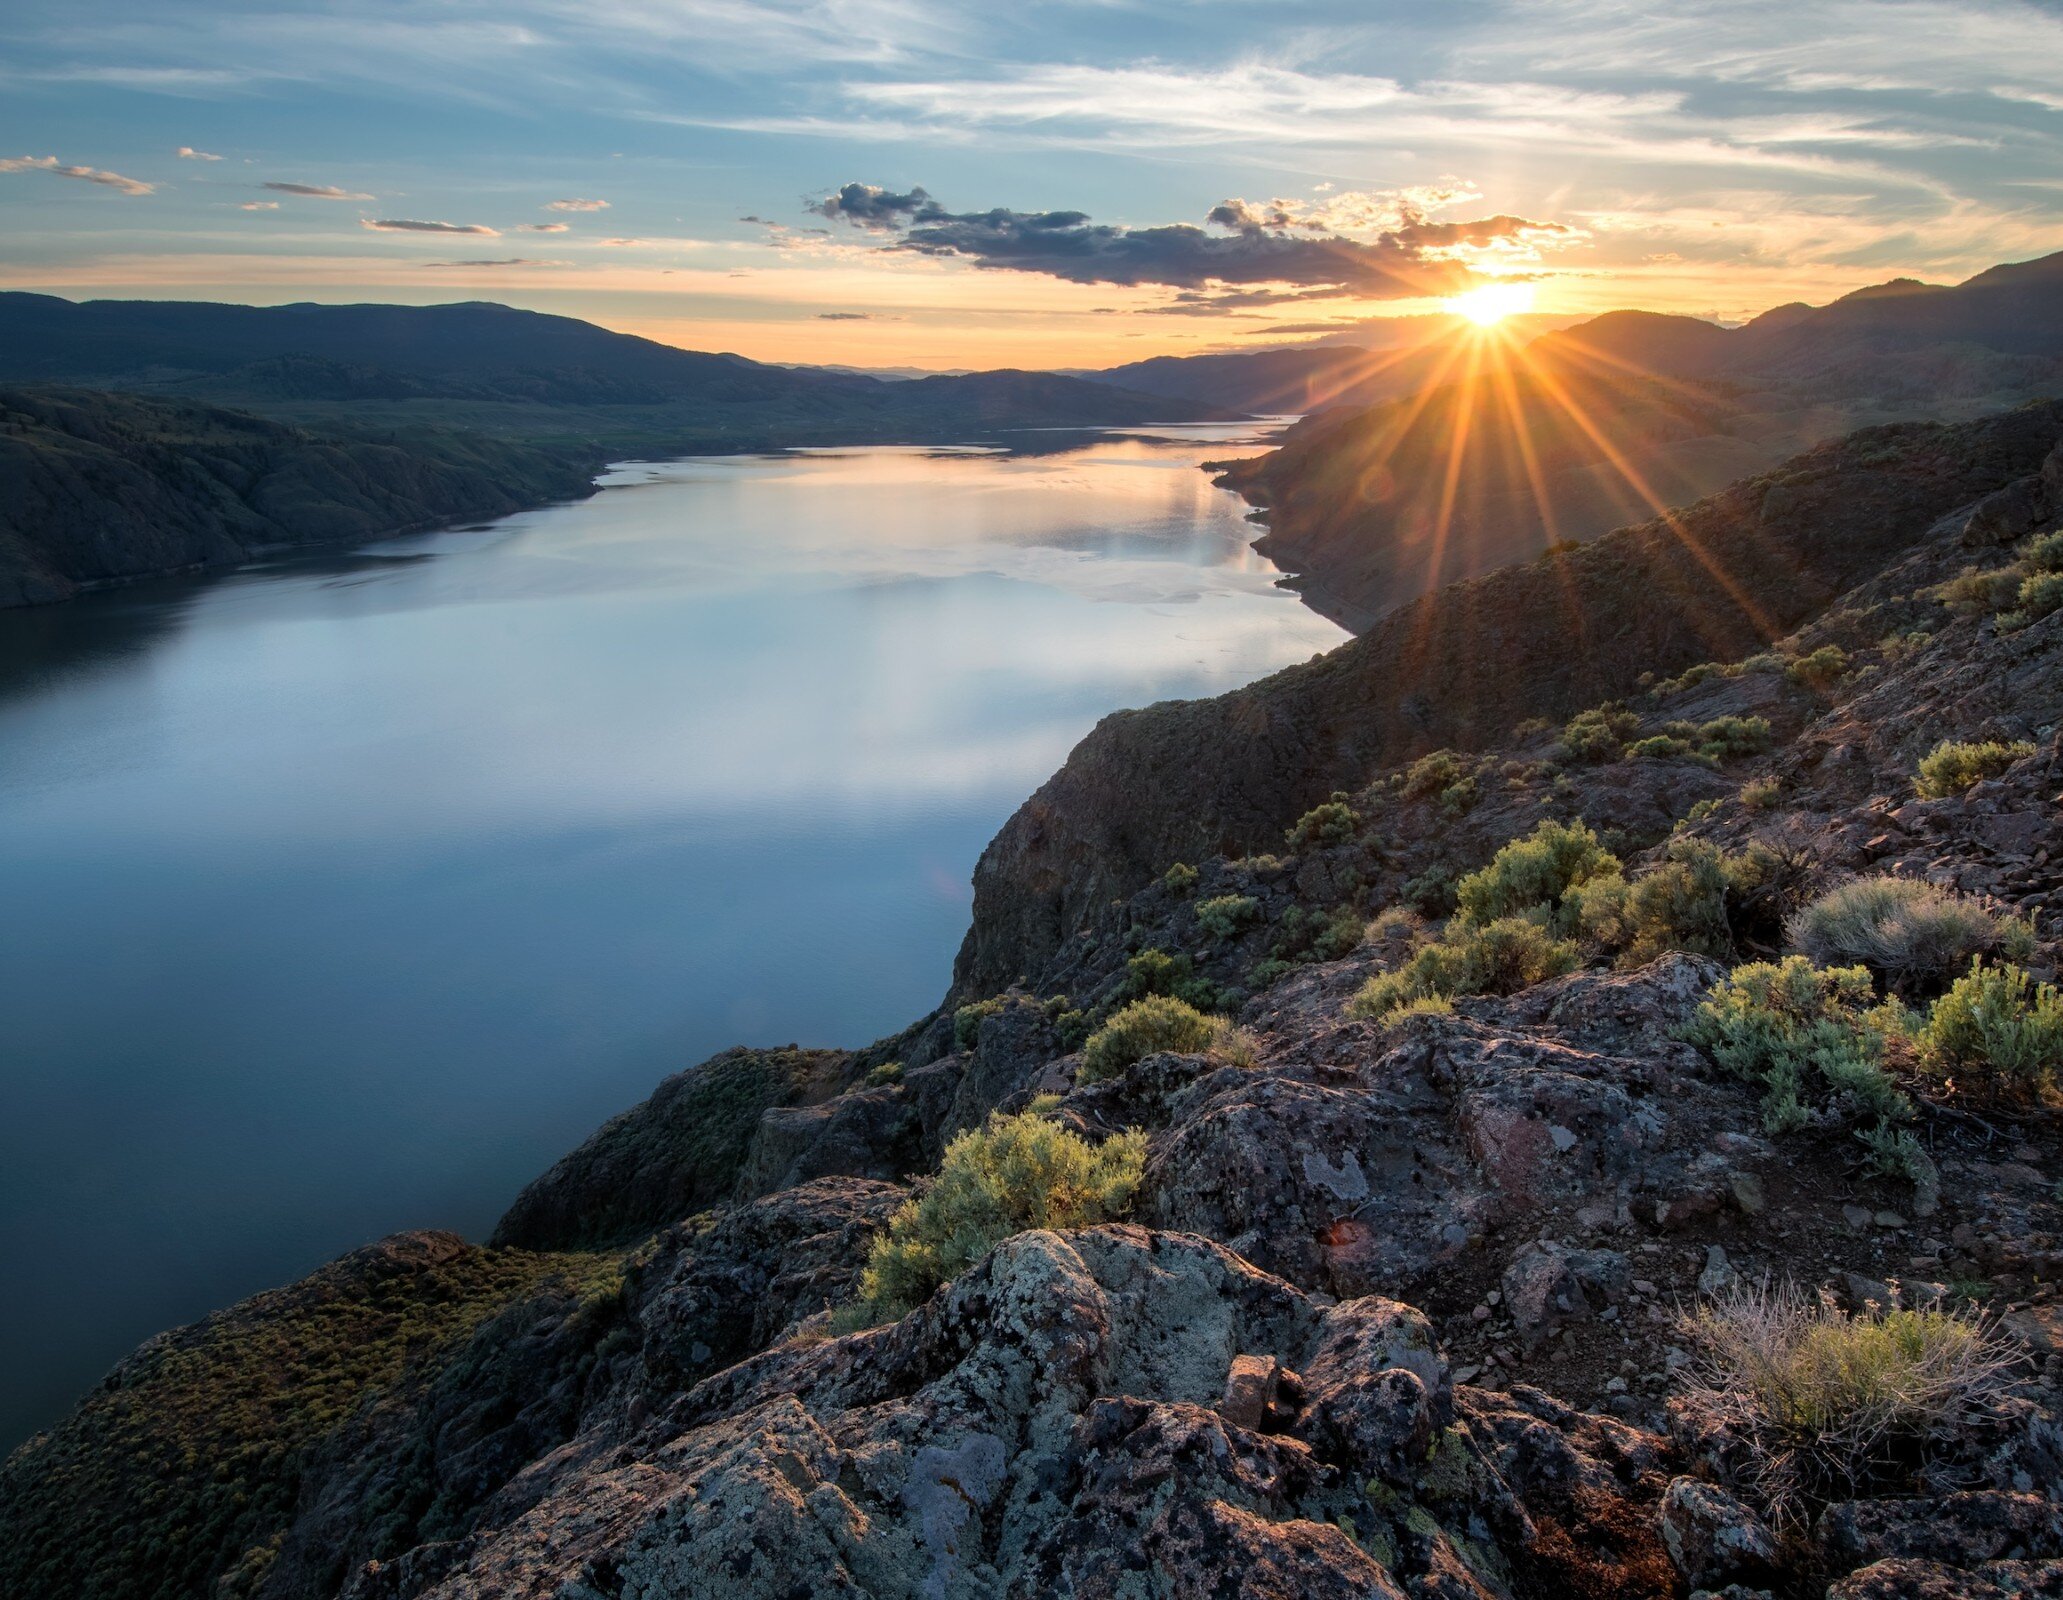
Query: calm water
(343, 896)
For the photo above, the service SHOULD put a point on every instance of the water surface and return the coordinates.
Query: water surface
(343, 895)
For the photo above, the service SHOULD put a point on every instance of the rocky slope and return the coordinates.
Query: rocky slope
(98, 488)
(1395, 1311)
(1463, 666)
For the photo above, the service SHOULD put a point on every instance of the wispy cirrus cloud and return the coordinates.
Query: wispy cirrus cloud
(542, 227)
(503, 261)
(412, 225)
(259, 205)
(186, 152)
(577, 205)
(318, 191)
(57, 169)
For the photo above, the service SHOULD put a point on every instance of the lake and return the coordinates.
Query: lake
(344, 894)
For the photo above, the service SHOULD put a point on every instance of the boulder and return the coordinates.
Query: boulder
(1712, 1537)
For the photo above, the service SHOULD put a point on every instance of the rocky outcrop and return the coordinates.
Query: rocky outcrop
(1186, 781)
(680, 1152)
(100, 488)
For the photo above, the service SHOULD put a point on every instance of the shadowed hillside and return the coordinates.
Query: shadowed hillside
(97, 488)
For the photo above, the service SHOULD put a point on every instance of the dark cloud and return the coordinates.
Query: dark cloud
(542, 227)
(1242, 244)
(845, 316)
(408, 225)
(868, 205)
(317, 191)
(504, 261)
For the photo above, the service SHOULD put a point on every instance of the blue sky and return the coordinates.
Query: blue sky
(1704, 157)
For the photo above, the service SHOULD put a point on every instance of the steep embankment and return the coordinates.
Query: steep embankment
(1227, 1394)
(1188, 780)
(97, 488)
(1372, 508)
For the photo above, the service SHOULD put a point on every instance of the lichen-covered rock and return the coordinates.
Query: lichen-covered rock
(1051, 1424)
(1712, 1537)
(1962, 1530)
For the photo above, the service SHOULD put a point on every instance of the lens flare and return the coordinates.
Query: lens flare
(1492, 303)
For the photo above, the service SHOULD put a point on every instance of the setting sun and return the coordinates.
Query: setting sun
(1493, 302)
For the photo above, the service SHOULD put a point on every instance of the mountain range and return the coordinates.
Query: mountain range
(496, 369)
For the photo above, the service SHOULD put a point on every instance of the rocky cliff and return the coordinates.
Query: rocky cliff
(1463, 666)
(99, 488)
(1401, 1303)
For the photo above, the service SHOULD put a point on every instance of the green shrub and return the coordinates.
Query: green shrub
(1826, 1404)
(1425, 1005)
(1305, 933)
(1598, 734)
(1977, 591)
(1009, 1176)
(2039, 595)
(1143, 1028)
(1912, 934)
(2043, 553)
(1999, 1029)
(1685, 903)
(1435, 774)
(1430, 893)
(1759, 794)
(1498, 957)
(1180, 878)
(1333, 823)
(1224, 915)
(1690, 678)
(1269, 970)
(1730, 738)
(1951, 767)
(1803, 1035)
(1536, 871)
(968, 1019)
(1824, 668)
(885, 1072)
(1656, 747)
(1163, 972)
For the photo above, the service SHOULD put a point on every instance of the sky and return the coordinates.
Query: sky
(1044, 183)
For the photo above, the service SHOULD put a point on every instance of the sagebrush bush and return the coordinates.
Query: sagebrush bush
(1435, 773)
(2039, 595)
(1821, 669)
(1164, 972)
(1977, 591)
(1011, 1175)
(1803, 1035)
(1598, 734)
(2043, 553)
(1730, 738)
(1426, 1005)
(968, 1019)
(1224, 915)
(1827, 1405)
(1498, 957)
(1952, 766)
(1537, 871)
(1333, 823)
(1657, 747)
(1688, 902)
(1759, 794)
(1914, 935)
(1180, 878)
(1998, 1030)
(1143, 1028)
